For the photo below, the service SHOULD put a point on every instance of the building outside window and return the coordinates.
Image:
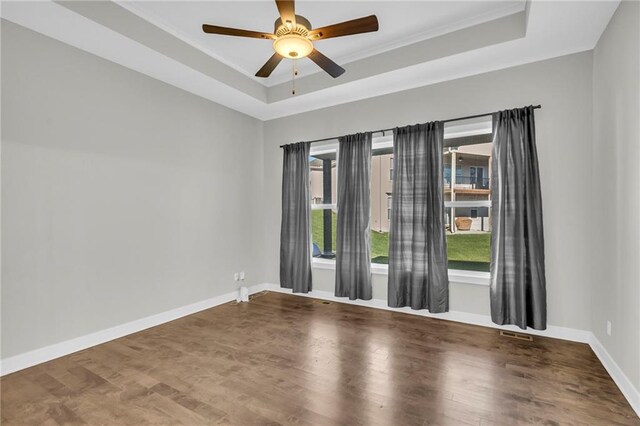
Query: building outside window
(468, 203)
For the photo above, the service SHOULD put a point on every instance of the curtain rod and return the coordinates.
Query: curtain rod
(468, 117)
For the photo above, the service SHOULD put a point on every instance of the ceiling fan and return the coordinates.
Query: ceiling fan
(293, 37)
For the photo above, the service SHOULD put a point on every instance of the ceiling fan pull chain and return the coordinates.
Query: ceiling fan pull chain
(294, 73)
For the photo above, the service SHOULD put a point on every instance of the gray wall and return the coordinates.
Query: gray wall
(616, 189)
(122, 196)
(564, 88)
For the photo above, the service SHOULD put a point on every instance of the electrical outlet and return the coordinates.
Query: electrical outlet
(242, 276)
(609, 328)
(236, 276)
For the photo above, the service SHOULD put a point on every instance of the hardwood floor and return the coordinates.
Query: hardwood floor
(283, 359)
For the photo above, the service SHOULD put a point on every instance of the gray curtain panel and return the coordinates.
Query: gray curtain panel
(353, 251)
(295, 232)
(417, 241)
(518, 287)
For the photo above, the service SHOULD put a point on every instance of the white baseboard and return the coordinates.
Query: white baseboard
(47, 353)
(583, 336)
(572, 334)
(624, 384)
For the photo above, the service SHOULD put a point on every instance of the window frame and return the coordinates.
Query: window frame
(319, 149)
(385, 141)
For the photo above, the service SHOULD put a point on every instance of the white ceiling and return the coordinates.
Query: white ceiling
(401, 23)
(166, 51)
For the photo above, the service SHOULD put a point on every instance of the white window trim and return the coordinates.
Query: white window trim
(482, 127)
(320, 263)
(324, 206)
(379, 142)
(470, 203)
(323, 147)
(469, 277)
(455, 275)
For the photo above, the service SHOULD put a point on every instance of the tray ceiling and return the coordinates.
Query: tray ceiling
(401, 23)
(419, 43)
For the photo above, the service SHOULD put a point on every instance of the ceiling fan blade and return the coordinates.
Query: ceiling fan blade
(269, 66)
(326, 64)
(214, 29)
(356, 26)
(287, 10)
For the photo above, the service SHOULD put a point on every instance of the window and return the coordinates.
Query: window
(447, 175)
(381, 188)
(323, 175)
(477, 179)
(466, 157)
(468, 201)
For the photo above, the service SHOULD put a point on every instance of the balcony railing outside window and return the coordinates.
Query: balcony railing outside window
(471, 182)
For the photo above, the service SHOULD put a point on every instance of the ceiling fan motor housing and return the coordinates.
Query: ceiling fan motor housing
(292, 41)
(302, 27)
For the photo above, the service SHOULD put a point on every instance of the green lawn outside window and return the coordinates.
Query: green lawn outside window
(465, 251)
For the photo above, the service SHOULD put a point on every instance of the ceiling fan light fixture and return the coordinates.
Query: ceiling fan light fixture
(293, 46)
(293, 38)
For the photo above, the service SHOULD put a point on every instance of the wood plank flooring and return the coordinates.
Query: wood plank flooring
(284, 359)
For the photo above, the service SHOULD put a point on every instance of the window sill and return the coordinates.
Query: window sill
(455, 275)
(469, 277)
(323, 264)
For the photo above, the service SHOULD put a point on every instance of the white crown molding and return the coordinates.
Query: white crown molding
(60, 23)
(510, 9)
(553, 29)
(163, 25)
